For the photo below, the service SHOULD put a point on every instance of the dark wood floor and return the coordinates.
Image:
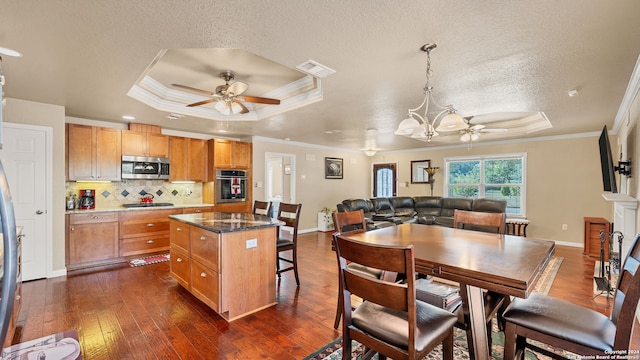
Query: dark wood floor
(142, 313)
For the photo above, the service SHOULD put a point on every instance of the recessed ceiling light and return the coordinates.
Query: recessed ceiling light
(9, 52)
(222, 131)
(173, 116)
(372, 130)
(329, 132)
(128, 117)
(573, 92)
(287, 139)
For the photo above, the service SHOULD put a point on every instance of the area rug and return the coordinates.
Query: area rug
(60, 346)
(149, 260)
(333, 350)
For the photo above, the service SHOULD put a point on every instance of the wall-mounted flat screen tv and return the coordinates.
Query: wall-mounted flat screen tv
(606, 162)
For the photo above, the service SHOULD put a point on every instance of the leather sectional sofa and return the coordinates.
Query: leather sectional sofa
(430, 210)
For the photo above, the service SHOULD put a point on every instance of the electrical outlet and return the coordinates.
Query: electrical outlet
(251, 243)
(565, 227)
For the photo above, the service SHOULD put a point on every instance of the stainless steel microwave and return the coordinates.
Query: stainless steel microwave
(143, 167)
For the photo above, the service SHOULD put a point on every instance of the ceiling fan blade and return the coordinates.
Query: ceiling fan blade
(259, 100)
(244, 108)
(477, 127)
(237, 88)
(193, 89)
(495, 130)
(203, 102)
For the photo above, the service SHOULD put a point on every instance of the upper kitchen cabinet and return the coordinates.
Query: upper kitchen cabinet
(94, 153)
(188, 159)
(229, 154)
(144, 144)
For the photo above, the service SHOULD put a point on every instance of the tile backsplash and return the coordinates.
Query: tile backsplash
(114, 194)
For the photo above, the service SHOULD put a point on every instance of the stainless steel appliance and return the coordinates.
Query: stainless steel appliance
(231, 186)
(143, 167)
(9, 260)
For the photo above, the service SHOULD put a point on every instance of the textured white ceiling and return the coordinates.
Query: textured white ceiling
(492, 56)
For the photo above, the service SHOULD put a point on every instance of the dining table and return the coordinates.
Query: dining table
(478, 261)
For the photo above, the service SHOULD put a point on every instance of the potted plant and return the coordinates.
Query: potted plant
(325, 219)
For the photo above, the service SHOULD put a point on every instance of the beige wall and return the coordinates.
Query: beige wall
(52, 116)
(313, 191)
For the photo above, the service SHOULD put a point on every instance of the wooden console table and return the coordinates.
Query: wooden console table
(592, 228)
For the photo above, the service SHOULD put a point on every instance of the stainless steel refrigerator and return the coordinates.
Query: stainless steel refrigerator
(9, 257)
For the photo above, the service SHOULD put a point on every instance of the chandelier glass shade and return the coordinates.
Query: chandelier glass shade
(227, 107)
(417, 125)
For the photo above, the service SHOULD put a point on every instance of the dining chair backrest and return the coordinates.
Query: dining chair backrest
(481, 221)
(289, 214)
(627, 295)
(262, 208)
(349, 221)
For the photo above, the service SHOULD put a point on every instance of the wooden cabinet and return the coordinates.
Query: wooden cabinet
(196, 210)
(228, 154)
(145, 231)
(223, 270)
(188, 159)
(92, 238)
(144, 144)
(592, 228)
(93, 153)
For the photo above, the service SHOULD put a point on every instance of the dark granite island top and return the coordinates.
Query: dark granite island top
(222, 222)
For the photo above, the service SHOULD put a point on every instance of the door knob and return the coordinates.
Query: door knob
(39, 212)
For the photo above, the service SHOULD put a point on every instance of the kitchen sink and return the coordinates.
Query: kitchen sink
(136, 205)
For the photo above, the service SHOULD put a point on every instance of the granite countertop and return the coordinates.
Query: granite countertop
(221, 222)
(122, 208)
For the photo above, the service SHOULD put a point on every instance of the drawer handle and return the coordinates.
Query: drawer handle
(202, 274)
(95, 217)
(198, 211)
(179, 260)
(150, 225)
(149, 241)
(179, 229)
(72, 228)
(203, 238)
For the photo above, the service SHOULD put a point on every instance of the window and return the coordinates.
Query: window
(500, 177)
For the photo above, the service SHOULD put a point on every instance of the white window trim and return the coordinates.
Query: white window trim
(523, 190)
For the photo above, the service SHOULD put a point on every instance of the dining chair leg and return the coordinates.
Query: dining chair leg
(295, 266)
(336, 322)
(447, 346)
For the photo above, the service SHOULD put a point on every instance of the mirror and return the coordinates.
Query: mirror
(419, 171)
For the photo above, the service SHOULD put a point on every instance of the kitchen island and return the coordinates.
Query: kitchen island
(227, 260)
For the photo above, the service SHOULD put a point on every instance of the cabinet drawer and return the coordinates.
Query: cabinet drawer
(180, 269)
(143, 245)
(93, 218)
(205, 247)
(145, 223)
(180, 236)
(205, 285)
(195, 210)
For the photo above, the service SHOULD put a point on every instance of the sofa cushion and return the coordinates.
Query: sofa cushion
(382, 206)
(489, 205)
(449, 205)
(427, 208)
(357, 204)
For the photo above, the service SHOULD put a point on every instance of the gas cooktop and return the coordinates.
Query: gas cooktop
(146, 205)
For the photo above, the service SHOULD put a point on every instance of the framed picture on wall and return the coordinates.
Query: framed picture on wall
(419, 171)
(333, 168)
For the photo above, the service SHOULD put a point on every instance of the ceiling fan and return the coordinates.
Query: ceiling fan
(472, 132)
(228, 97)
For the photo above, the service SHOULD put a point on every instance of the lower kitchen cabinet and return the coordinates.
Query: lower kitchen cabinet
(92, 238)
(145, 231)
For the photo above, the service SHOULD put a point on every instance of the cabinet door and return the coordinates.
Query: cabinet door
(242, 155)
(205, 247)
(108, 154)
(80, 156)
(180, 236)
(178, 157)
(180, 269)
(134, 143)
(223, 153)
(197, 159)
(93, 242)
(158, 145)
(205, 285)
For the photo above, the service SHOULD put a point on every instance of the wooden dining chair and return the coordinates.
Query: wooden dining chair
(390, 321)
(480, 221)
(353, 222)
(262, 208)
(572, 327)
(289, 214)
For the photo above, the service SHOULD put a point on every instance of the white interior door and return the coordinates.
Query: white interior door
(279, 179)
(24, 159)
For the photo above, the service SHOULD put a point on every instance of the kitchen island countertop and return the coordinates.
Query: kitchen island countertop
(223, 222)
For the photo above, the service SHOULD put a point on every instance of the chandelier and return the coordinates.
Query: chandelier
(420, 127)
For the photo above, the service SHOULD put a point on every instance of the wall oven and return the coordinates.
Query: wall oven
(231, 186)
(143, 167)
